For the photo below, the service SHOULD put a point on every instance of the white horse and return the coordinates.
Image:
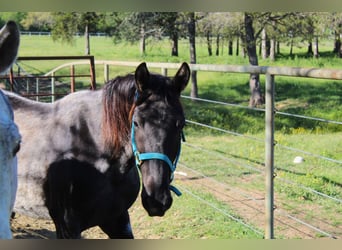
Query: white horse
(9, 133)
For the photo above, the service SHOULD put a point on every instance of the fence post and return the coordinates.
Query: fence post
(72, 78)
(269, 156)
(53, 87)
(92, 73)
(11, 79)
(164, 71)
(106, 72)
(37, 89)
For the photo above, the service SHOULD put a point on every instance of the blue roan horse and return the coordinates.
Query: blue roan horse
(76, 161)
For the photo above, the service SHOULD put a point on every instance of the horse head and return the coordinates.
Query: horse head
(157, 123)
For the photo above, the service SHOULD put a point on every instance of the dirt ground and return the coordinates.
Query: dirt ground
(24, 227)
(250, 209)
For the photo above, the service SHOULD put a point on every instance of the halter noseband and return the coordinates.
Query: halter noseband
(141, 157)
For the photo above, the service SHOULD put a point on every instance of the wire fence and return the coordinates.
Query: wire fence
(284, 214)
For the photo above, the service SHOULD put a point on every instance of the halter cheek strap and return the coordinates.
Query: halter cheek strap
(141, 157)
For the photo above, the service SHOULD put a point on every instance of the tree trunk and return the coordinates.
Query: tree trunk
(263, 44)
(278, 47)
(272, 49)
(243, 52)
(87, 40)
(174, 50)
(209, 42)
(340, 51)
(310, 52)
(230, 47)
(250, 40)
(217, 45)
(237, 46)
(142, 40)
(291, 47)
(315, 50)
(256, 97)
(192, 41)
(337, 45)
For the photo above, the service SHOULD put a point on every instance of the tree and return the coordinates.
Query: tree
(271, 26)
(65, 27)
(17, 17)
(37, 21)
(171, 24)
(89, 21)
(250, 39)
(138, 26)
(222, 25)
(306, 26)
(256, 97)
(67, 24)
(334, 22)
(191, 19)
(111, 23)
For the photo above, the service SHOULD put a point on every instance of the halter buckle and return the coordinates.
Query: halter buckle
(138, 161)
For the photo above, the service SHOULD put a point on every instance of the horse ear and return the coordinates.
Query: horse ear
(182, 77)
(141, 77)
(9, 44)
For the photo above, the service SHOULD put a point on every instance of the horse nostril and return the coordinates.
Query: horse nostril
(168, 202)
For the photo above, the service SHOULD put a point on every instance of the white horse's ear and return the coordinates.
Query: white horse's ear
(142, 77)
(9, 43)
(181, 79)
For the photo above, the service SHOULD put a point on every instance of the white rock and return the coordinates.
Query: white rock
(298, 159)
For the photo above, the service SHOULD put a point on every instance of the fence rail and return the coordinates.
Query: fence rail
(47, 33)
(333, 74)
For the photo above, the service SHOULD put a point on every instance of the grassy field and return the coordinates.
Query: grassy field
(236, 162)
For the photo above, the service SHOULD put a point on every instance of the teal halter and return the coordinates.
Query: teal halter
(141, 157)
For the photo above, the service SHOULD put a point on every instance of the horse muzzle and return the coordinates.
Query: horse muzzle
(156, 205)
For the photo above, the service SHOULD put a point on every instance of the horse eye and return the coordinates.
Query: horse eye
(136, 124)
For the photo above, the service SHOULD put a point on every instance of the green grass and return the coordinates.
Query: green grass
(236, 162)
(230, 155)
(197, 221)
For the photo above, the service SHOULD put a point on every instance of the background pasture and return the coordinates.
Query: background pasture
(223, 190)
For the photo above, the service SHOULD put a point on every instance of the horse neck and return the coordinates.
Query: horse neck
(22, 104)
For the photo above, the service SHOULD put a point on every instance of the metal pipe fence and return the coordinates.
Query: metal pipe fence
(37, 85)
